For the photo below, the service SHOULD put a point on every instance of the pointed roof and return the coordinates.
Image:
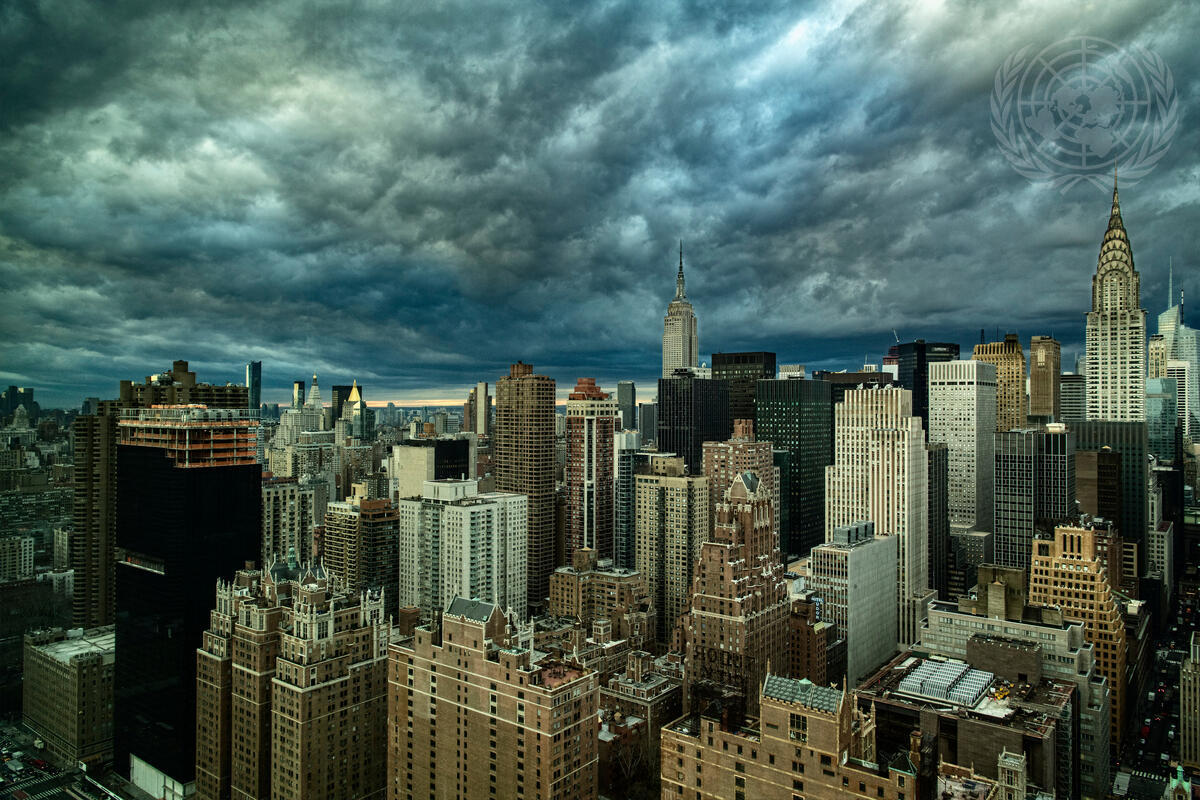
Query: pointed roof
(1114, 218)
(355, 395)
(314, 394)
(680, 294)
(1116, 256)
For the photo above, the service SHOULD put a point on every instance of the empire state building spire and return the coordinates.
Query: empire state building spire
(680, 343)
(680, 294)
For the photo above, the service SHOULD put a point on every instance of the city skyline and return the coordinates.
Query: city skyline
(369, 210)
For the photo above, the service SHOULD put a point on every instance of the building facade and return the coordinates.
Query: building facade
(680, 343)
(724, 461)
(1045, 376)
(593, 418)
(743, 371)
(690, 412)
(912, 371)
(361, 546)
(962, 413)
(1035, 488)
(68, 692)
(1012, 408)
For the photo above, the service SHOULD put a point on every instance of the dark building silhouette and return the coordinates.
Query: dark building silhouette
(913, 363)
(692, 411)
(254, 384)
(1131, 441)
(939, 517)
(743, 371)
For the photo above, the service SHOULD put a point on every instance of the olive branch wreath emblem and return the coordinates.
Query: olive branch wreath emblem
(1026, 158)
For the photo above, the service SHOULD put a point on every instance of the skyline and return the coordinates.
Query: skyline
(421, 200)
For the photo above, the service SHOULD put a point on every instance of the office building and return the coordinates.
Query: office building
(912, 371)
(855, 575)
(815, 649)
(673, 520)
(341, 393)
(416, 461)
(647, 419)
(743, 371)
(692, 411)
(1069, 571)
(67, 685)
(1163, 431)
(592, 589)
(680, 344)
(297, 394)
(962, 413)
(840, 382)
(939, 516)
(1129, 440)
(1189, 705)
(724, 461)
(796, 417)
(1098, 483)
(361, 544)
(1116, 330)
(16, 557)
(627, 405)
(455, 541)
(879, 474)
(1045, 377)
(477, 411)
(969, 549)
(1072, 397)
(1180, 355)
(736, 623)
(1035, 488)
(291, 688)
(592, 420)
(523, 461)
(189, 509)
(473, 713)
(627, 458)
(1012, 408)
(254, 384)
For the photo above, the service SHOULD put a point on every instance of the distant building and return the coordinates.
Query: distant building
(912, 371)
(1129, 439)
(254, 384)
(1012, 406)
(477, 412)
(592, 420)
(1035, 488)
(647, 419)
(628, 457)
(361, 547)
(743, 371)
(627, 404)
(419, 460)
(1045, 376)
(1163, 432)
(290, 511)
(1098, 483)
(16, 557)
(962, 413)
(1072, 397)
(680, 343)
(968, 550)
(692, 411)
(68, 692)
(939, 516)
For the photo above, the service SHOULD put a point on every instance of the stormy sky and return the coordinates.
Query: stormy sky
(416, 194)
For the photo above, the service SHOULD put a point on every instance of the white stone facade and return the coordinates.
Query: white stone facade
(962, 413)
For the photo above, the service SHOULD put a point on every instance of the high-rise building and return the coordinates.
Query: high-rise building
(419, 460)
(297, 394)
(189, 500)
(796, 416)
(1072, 397)
(1116, 330)
(692, 411)
(291, 510)
(840, 382)
(1098, 483)
(854, 573)
(1035, 488)
(1163, 434)
(680, 345)
(673, 520)
(1189, 705)
(1068, 571)
(1130, 441)
(254, 384)
(743, 371)
(627, 404)
(724, 461)
(1181, 343)
(879, 474)
(477, 412)
(647, 419)
(473, 714)
(341, 393)
(592, 589)
(627, 458)
(592, 420)
(456, 541)
(67, 687)
(360, 547)
(1045, 375)
(969, 549)
(291, 689)
(962, 413)
(912, 371)
(1186, 380)
(1012, 409)
(939, 516)
(736, 623)
(523, 461)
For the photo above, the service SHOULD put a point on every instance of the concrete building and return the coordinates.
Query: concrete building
(796, 416)
(628, 457)
(290, 512)
(913, 360)
(627, 404)
(1012, 406)
(816, 651)
(1045, 378)
(16, 557)
(361, 547)
(724, 461)
(962, 413)
(68, 692)
(455, 541)
(291, 689)
(1189, 706)
(1116, 330)
(879, 474)
(1035, 488)
(995, 629)
(416, 461)
(743, 371)
(1072, 397)
(523, 461)
(736, 623)
(673, 520)
(1068, 571)
(592, 589)
(592, 420)
(854, 573)
(690, 412)
(680, 343)
(473, 714)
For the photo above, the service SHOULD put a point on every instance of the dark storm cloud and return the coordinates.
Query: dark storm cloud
(417, 194)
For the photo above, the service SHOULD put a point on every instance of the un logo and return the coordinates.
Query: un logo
(1079, 108)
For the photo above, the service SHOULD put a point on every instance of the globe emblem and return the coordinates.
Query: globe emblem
(1082, 107)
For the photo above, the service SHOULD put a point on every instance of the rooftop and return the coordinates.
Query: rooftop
(802, 692)
(101, 641)
(475, 610)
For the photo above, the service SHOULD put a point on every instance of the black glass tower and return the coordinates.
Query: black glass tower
(743, 371)
(692, 411)
(913, 371)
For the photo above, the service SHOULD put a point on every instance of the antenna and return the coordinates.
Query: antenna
(896, 335)
(1170, 281)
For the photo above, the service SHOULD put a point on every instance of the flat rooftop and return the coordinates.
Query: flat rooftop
(102, 642)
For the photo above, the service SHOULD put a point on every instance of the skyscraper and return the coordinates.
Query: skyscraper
(680, 347)
(647, 419)
(477, 413)
(1072, 397)
(1012, 410)
(879, 474)
(188, 511)
(796, 416)
(1116, 330)
(1035, 488)
(939, 517)
(692, 411)
(626, 461)
(737, 619)
(297, 394)
(724, 461)
(912, 370)
(1163, 420)
(523, 462)
(1045, 371)
(743, 371)
(360, 546)
(1181, 344)
(254, 384)
(627, 404)
(962, 413)
(1130, 441)
(592, 419)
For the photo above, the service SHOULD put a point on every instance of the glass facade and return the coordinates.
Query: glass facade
(692, 411)
(1162, 420)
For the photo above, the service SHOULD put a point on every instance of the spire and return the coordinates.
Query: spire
(1114, 219)
(1171, 281)
(680, 294)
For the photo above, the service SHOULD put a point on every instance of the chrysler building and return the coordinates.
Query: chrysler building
(680, 345)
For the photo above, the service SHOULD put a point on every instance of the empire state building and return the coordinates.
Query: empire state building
(1116, 330)
(680, 345)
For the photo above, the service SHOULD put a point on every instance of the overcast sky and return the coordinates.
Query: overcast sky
(417, 194)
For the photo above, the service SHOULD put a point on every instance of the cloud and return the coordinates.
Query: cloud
(418, 194)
